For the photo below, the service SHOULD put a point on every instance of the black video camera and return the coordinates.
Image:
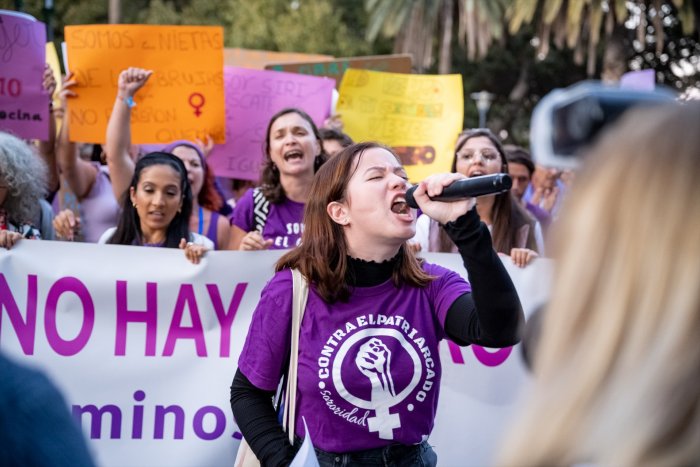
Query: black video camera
(567, 120)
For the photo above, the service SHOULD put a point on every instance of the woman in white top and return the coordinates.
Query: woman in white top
(514, 231)
(156, 208)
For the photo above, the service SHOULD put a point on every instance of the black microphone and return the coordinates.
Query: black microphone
(467, 188)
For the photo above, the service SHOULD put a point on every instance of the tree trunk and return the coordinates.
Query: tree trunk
(445, 57)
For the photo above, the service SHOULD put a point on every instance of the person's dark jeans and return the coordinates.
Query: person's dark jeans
(396, 455)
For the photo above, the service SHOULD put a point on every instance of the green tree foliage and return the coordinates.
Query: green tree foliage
(333, 27)
(319, 26)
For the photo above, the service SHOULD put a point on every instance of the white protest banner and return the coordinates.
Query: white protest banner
(144, 346)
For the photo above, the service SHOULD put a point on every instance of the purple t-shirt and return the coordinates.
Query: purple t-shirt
(369, 369)
(284, 221)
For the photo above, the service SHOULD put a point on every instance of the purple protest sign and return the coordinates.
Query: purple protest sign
(24, 106)
(641, 80)
(252, 97)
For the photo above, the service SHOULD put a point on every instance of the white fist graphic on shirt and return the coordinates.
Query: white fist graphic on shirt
(374, 361)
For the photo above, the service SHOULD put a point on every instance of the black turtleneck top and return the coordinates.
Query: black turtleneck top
(491, 315)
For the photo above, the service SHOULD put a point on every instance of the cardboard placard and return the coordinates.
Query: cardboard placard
(24, 106)
(252, 97)
(419, 116)
(183, 99)
(399, 63)
(258, 59)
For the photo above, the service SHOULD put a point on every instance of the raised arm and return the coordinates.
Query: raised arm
(118, 141)
(47, 148)
(78, 174)
(491, 315)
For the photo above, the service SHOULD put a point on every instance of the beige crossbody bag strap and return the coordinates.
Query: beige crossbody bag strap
(301, 293)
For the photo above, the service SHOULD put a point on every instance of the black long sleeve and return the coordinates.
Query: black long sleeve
(492, 314)
(255, 415)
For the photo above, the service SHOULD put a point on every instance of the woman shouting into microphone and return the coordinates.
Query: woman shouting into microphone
(368, 366)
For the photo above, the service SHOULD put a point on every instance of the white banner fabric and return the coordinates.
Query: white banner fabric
(144, 346)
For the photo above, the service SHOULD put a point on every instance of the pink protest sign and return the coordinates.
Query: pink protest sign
(24, 106)
(641, 80)
(252, 97)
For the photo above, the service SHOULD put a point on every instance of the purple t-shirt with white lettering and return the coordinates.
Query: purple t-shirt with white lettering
(284, 220)
(369, 369)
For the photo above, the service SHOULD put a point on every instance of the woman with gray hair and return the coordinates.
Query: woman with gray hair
(23, 178)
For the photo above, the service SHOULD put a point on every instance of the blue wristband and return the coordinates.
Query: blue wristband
(129, 101)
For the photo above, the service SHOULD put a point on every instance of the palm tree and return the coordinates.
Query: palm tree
(417, 24)
(581, 24)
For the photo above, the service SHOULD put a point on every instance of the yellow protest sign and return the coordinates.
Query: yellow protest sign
(52, 60)
(419, 116)
(183, 99)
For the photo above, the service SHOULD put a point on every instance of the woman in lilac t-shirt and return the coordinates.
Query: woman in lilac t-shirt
(369, 367)
(271, 216)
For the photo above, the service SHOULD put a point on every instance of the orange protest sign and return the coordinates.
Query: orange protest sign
(258, 59)
(183, 99)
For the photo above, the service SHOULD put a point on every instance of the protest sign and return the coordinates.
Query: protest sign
(252, 97)
(258, 59)
(145, 349)
(419, 116)
(183, 99)
(24, 106)
(641, 80)
(52, 60)
(399, 63)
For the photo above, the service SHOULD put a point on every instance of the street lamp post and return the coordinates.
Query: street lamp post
(483, 104)
(48, 19)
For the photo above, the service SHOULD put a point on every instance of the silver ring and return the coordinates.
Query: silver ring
(190, 243)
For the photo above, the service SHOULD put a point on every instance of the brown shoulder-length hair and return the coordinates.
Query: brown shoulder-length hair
(508, 215)
(270, 176)
(322, 256)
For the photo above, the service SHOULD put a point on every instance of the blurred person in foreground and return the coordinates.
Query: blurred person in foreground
(36, 427)
(617, 361)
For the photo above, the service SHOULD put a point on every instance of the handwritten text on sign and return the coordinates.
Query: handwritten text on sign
(418, 115)
(24, 106)
(183, 99)
(252, 97)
